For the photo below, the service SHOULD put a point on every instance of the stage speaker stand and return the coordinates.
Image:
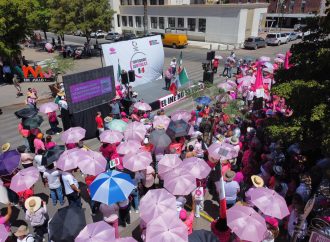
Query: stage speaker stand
(131, 75)
(210, 55)
(124, 78)
(208, 76)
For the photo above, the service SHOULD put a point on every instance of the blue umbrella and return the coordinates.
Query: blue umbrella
(9, 161)
(204, 100)
(178, 128)
(111, 187)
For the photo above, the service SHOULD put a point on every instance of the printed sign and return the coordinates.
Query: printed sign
(114, 162)
(36, 74)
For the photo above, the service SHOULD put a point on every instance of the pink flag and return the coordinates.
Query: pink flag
(258, 83)
(287, 60)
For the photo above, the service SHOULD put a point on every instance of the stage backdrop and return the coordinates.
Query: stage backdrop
(85, 90)
(144, 55)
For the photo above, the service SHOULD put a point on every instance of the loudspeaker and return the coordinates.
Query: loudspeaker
(131, 75)
(124, 78)
(210, 55)
(208, 76)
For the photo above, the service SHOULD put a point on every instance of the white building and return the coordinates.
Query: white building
(221, 23)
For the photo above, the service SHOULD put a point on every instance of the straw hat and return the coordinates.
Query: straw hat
(107, 119)
(22, 230)
(229, 175)
(32, 204)
(257, 181)
(61, 94)
(234, 140)
(5, 147)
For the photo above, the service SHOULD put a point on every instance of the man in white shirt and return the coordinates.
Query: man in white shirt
(53, 181)
(23, 235)
(231, 188)
(38, 161)
(173, 65)
(71, 188)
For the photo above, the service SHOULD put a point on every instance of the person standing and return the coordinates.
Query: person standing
(71, 188)
(99, 122)
(26, 158)
(124, 216)
(23, 235)
(115, 108)
(173, 66)
(49, 143)
(231, 188)
(53, 181)
(31, 99)
(110, 216)
(168, 78)
(215, 65)
(17, 86)
(53, 122)
(38, 143)
(25, 134)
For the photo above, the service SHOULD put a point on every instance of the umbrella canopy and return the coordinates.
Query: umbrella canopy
(280, 55)
(96, 232)
(246, 223)
(137, 161)
(155, 203)
(167, 228)
(92, 163)
(204, 100)
(3, 233)
(111, 136)
(196, 167)
(179, 182)
(66, 224)
(9, 161)
(111, 187)
(160, 140)
(26, 113)
(127, 239)
(33, 122)
(161, 121)
(246, 80)
(142, 106)
(202, 236)
(279, 60)
(73, 135)
(48, 107)
(52, 155)
(268, 65)
(69, 159)
(135, 131)
(181, 114)
(232, 59)
(168, 162)
(129, 146)
(223, 151)
(226, 86)
(24, 179)
(269, 202)
(118, 125)
(177, 128)
(264, 59)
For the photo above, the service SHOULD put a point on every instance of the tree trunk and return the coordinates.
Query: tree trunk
(62, 37)
(45, 35)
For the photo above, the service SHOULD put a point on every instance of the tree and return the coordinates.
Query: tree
(306, 88)
(59, 66)
(41, 16)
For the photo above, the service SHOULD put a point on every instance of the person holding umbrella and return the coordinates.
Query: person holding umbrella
(71, 188)
(52, 178)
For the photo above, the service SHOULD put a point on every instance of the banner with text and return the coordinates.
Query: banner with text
(144, 55)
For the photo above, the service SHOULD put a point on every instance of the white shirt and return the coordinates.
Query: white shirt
(38, 160)
(68, 180)
(53, 178)
(231, 189)
(28, 238)
(173, 64)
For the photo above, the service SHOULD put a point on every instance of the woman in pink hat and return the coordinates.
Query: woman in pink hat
(124, 117)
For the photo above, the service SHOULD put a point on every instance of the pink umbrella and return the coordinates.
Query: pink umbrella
(181, 114)
(73, 135)
(232, 83)
(269, 202)
(142, 106)
(168, 162)
(96, 232)
(179, 182)
(137, 161)
(92, 164)
(69, 159)
(24, 179)
(279, 60)
(264, 59)
(127, 239)
(129, 146)
(161, 121)
(135, 131)
(167, 228)
(246, 223)
(155, 203)
(226, 86)
(197, 167)
(246, 80)
(111, 136)
(280, 55)
(3, 233)
(48, 107)
(287, 60)
(223, 151)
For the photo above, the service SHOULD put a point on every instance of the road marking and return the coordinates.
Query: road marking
(203, 215)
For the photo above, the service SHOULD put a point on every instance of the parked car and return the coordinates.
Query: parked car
(112, 36)
(126, 36)
(292, 36)
(254, 43)
(298, 27)
(174, 40)
(301, 34)
(276, 39)
(78, 33)
(98, 34)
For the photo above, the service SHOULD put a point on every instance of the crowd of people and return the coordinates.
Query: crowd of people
(240, 156)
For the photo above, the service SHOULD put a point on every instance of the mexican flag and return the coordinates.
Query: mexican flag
(181, 76)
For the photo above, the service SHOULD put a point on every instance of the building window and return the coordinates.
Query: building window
(124, 20)
(153, 21)
(171, 22)
(118, 20)
(130, 21)
(153, 2)
(303, 7)
(161, 22)
(129, 2)
(161, 2)
(201, 25)
(138, 21)
(191, 24)
(180, 22)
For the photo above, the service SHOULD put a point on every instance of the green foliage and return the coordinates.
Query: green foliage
(41, 16)
(60, 65)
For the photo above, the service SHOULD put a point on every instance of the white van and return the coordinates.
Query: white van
(276, 39)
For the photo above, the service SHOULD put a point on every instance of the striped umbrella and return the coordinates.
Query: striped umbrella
(111, 187)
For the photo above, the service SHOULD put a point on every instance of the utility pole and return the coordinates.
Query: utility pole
(145, 17)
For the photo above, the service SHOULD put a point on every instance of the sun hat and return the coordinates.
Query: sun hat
(5, 147)
(257, 181)
(32, 203)
(183, 214)
(22, 230)
(278, 170)
(61, 94)
(229, 175)
(107, 119)
(234, 140)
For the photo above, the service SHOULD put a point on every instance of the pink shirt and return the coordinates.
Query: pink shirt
(239, 177)
(50, 145)
(189, 223)
(38, 145)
